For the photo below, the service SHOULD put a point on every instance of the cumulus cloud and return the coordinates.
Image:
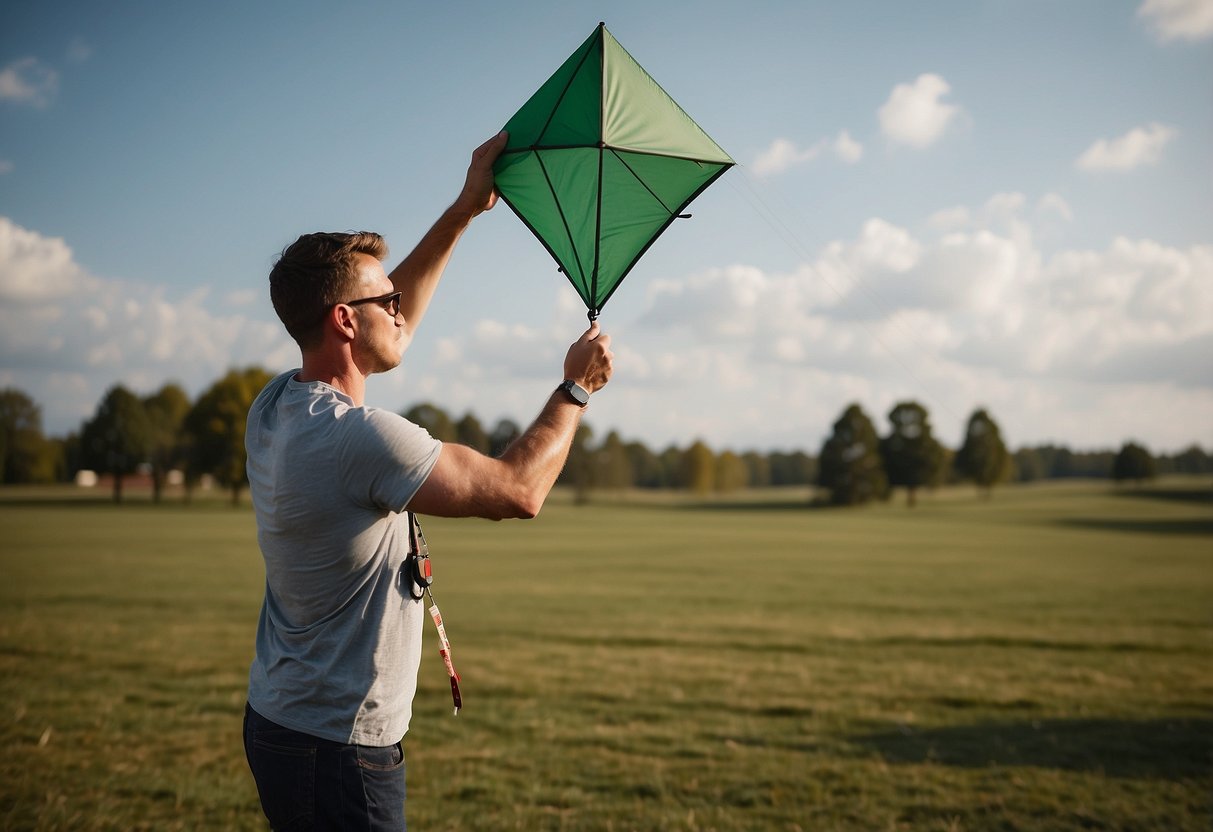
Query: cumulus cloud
(847, 149)
(971, 313)
(1172, 20)
(35, 268)
(914, 114)
(784, 153)
(1055, 205)
(66, 335)
(1140, 146)
(28, 81)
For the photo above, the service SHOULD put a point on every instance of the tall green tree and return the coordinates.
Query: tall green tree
(758, 469)
(913, 458)
(1133, 462)
(26, 455)
(699, 468)
(468, 431)
(1029, 466)
(673, 469)
(1192, 460)
(215, 425)
(647, 470)
(849, 464)
(613, 466)
(794, 468)
(731, 472)
(118, 437)
(503, 435)
(435, 420)
(983, 457)
(166, 411)
(578, 471)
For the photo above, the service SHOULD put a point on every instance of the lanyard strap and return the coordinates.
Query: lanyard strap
(421, 579)
(444, 650)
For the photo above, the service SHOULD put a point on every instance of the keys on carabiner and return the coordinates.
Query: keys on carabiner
(421, 574)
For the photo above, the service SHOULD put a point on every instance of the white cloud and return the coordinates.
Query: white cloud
(6, 166)
(781, 155)
(242, 297)
(66, 335)
(1055, 205)
(28, 81)
(35, 268)
(784, 153)
(973, 316)
(847, 149)
(1172, 20)
(914, 113)
(1140, 146)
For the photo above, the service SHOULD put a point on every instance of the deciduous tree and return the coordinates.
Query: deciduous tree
(434, 419)
(983, 457)
(504, 433)
(118, 437)
(25, 454)
(850, 465)
(468, 431)
(216, 425)
(1133, 462)
(699, 468)
(166, 411)
(912, 457)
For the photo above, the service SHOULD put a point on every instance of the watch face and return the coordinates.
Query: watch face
(576, 391)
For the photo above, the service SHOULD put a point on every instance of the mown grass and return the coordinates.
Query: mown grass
(1036, 662)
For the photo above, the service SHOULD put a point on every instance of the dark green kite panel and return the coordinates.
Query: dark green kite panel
(597, 195)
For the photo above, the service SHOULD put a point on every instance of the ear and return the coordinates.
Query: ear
(343, 319)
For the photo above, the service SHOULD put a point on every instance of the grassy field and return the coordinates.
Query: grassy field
(1042, 661)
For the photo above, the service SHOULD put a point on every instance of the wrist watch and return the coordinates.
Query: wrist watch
(575, 391)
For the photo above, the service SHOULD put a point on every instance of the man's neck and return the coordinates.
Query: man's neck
(343, 376)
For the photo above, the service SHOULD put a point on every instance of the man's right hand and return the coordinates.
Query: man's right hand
(478, 194)
(589, 359)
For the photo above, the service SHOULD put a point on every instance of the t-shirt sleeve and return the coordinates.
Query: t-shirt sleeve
(387, 458)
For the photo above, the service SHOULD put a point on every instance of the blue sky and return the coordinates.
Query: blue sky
(996, 204)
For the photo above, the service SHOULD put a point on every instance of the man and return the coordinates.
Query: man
(333, 482)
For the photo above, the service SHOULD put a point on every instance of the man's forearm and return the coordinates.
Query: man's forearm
(537, 457)
(418, 275)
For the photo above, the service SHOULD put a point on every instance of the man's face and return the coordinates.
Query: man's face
(382, 337)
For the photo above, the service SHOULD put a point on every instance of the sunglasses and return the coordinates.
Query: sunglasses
(390, 302)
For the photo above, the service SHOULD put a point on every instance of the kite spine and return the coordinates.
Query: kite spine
(595, 306)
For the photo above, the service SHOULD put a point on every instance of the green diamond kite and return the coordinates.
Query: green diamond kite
(599, 162)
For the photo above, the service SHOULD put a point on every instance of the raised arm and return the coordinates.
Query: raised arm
(418, 274)
(466, 483)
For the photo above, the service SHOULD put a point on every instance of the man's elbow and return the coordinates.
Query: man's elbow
(526, 506)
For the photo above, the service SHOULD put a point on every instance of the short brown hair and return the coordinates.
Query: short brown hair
(313, 274)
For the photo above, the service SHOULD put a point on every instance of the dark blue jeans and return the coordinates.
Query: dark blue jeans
(307, 783)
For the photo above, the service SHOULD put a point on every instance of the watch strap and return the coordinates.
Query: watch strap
(575, 391)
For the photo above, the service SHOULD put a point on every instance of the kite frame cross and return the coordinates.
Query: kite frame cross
(539, 148)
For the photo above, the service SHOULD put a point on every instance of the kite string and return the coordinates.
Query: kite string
(782, 229)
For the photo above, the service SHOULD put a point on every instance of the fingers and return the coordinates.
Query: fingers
(589, 360)
(479, 194)
(491, 149)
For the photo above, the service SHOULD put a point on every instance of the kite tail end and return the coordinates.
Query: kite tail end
(592, 315)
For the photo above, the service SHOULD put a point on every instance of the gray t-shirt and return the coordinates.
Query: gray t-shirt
(339, 640)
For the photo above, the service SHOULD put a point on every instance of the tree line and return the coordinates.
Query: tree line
(165, 432)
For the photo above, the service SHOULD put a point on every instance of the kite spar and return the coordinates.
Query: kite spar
(600, 161)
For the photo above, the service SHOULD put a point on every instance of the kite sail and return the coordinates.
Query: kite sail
(599, 162)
